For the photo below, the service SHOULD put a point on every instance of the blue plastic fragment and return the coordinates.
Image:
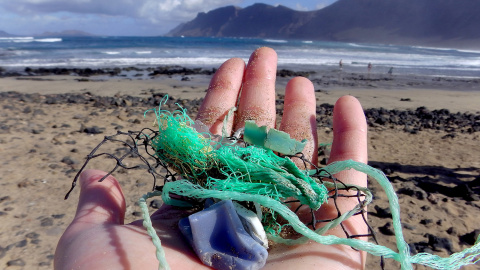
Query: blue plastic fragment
(220, 240)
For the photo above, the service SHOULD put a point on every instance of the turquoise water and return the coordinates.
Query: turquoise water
(97, 52)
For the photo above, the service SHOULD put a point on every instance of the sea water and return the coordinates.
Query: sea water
(207, 52)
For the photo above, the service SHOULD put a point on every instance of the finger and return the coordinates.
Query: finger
(257, 99)
(299, 117)
(222, 95)
(349, 142)
(349, 135)
(100, 202)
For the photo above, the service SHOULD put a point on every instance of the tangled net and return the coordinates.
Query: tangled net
(196, 166)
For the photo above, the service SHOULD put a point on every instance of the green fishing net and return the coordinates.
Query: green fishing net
(228, 168)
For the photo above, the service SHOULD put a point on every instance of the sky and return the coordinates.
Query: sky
(118, 17)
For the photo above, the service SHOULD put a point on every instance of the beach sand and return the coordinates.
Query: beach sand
(43, 144)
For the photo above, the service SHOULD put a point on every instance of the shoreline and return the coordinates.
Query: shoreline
(400, 92)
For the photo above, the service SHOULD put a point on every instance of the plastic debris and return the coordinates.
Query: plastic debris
(272, 139)
(220, 240)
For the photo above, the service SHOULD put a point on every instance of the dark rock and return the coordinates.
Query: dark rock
(32, 235)
(137, 214)
(387, 229)
(68, 161)
(17, 262)
(452, 231)
(4, 198)
(54, 166)
(21, 243)
(4, 129)
(382, 212)
(465, 191)
(36, 241)
(413, 121)
(408, 226)
(323, 161)
(426, 221)
(438, 243)
(3, 251)
(34, 128)
(156, 203)
(93, 130)
(25, 183)
(381, 120)
(470, 237)
(46, 222)
(413, 191)
(27, 109)
(58, 216)
(449, 136)
(39, 112)
(425, 208)
(387, 171)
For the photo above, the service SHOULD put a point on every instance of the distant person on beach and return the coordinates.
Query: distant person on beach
(340, 64)
(390, 71)
(369, 67)
(97, 238)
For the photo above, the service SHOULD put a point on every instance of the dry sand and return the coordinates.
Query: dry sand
(43, 145)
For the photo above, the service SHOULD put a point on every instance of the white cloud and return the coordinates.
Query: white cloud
(152, 10)
(324, 3)
(299, 7)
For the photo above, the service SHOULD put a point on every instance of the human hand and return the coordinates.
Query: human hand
(98, 239)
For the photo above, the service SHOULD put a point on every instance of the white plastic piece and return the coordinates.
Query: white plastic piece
(252, 224)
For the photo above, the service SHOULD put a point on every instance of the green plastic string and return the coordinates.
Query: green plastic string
(186, 188)
(147, 223)
(455, 261)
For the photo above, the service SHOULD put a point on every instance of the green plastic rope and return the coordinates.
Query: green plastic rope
(147, 223)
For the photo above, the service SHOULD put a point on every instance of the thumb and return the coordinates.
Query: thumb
(100, 202)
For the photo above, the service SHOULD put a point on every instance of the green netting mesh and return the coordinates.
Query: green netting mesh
(212, 168)
(229, 167)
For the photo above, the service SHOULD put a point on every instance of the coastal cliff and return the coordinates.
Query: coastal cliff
(449, 23)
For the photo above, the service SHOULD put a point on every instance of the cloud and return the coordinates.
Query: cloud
(324, 3)
(164, 13)
(299, 7)
(320, 6)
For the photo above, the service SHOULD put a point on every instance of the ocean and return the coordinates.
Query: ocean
(100, 52)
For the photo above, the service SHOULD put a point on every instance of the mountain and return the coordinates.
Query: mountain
(66, 33)
(5, 34)
(452, 23)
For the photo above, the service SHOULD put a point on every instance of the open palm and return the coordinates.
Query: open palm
(97, 238)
